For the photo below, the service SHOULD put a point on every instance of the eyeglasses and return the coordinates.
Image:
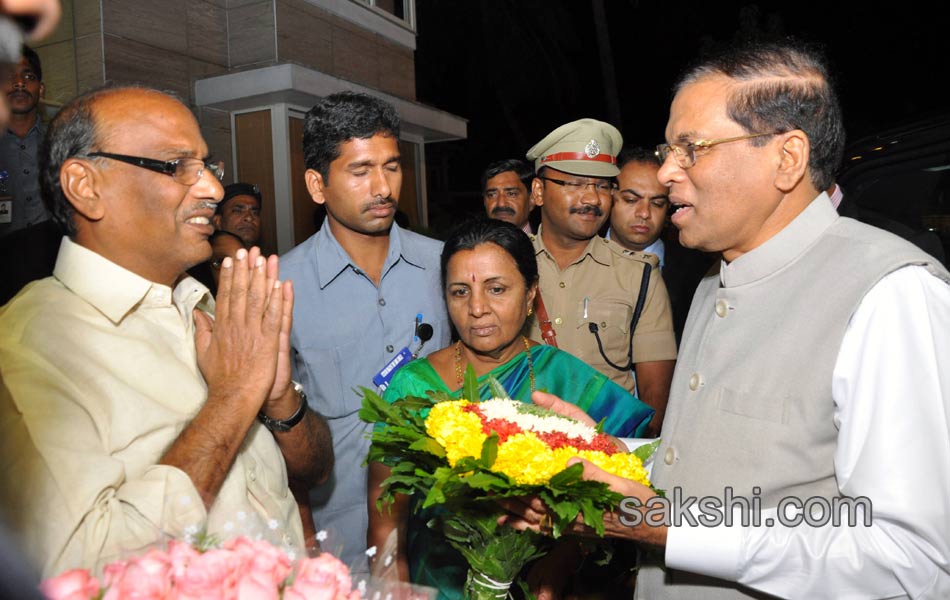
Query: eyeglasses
(577, 187)
(186, 171)
(685, 154)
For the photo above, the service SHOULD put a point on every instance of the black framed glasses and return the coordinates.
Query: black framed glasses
(685, 154)
(574, 187)
(186, 171)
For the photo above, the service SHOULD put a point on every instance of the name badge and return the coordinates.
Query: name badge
(382, 378)
(6, 209)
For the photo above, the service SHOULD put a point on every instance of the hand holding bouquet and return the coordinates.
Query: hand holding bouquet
(467, 456)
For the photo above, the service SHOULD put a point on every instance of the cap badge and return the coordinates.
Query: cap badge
(592, 149)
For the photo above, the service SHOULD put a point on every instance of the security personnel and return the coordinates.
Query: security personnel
(592, 290)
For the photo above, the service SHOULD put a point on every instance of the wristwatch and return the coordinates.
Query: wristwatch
(286, 424)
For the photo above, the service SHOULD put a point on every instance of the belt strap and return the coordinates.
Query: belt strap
(547, 330)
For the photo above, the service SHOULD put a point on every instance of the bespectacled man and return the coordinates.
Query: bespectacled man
(127, 412)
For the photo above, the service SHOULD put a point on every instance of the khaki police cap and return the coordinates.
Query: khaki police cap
(584, 147)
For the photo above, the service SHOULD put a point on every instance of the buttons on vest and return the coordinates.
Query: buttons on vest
(722, 308)
(558, 320)
(670, 456)
(561, 284)
(695, 381)
(390, 348)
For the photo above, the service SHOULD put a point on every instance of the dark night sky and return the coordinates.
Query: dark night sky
(519, 68)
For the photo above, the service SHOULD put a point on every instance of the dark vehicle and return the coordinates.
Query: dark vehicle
(899, 180)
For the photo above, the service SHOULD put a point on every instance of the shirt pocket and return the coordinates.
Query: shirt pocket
(613, 327)
(324, 370)
(760, 406)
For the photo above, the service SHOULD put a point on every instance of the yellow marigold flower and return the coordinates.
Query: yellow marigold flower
(526, 459)
(459, 432)
(623, 465)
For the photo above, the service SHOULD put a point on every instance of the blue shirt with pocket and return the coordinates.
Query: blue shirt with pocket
(346, 329)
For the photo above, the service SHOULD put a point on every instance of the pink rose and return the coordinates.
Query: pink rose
(75, 584)
(180, 555)
(147, 577)
(321, 578)
(213, 574)
(263, 568)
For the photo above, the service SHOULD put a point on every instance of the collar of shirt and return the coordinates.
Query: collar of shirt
(332, 259)
(596, 249)
(782, 247)
(115, 291)
(657, 248)
(38, 129)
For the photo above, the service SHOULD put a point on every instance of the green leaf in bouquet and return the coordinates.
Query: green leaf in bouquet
(645, 451)
(489, 451)
(429, 445)
(487, 481)
(568, 476)
(497, 389)
(373, 408)
(470, 387)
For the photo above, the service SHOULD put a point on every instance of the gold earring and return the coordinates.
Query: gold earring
(530, 311)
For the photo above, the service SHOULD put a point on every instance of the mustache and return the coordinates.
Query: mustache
(503, 210)
(377, 203)
(587, 210)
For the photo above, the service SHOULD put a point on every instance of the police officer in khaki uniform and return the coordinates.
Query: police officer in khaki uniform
(589, 286)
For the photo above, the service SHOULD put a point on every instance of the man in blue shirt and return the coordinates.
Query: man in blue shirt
(20, 202)
(360, 281)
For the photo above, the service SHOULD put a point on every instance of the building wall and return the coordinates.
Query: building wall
(171, 43)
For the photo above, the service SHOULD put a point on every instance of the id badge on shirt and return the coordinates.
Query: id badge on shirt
(382, 378)
(6, 209)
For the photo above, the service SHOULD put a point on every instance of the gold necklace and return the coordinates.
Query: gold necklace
(459, 377)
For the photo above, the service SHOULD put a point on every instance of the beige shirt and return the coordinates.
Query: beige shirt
(601, 287)
(98, 376)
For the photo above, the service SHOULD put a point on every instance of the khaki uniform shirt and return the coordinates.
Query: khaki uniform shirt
(601, 287)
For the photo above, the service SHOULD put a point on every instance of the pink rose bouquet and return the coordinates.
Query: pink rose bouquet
(238, 569)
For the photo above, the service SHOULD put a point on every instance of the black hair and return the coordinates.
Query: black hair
(482, 230)
(34, 60)
(523, 170)
(233, 190)
(341, 117)
(637, 154)
(783, 86)
(74, 131)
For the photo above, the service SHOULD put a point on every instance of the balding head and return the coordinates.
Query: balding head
(76, 131)
(128, 171)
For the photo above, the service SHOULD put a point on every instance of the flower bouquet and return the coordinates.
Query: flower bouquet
(239, 569)
(464, 456)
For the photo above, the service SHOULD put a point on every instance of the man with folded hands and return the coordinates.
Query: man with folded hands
(128, 413)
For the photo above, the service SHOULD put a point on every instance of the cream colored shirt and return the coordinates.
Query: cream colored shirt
(98, 376)
(601, 287)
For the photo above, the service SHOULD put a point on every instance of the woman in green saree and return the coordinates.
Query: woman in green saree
(490, 276)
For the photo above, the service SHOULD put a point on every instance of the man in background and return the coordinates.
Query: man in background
(638, 222)
(505, 187)
(240, 213)
(590, 287)
(641, 203)
(361, 280)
